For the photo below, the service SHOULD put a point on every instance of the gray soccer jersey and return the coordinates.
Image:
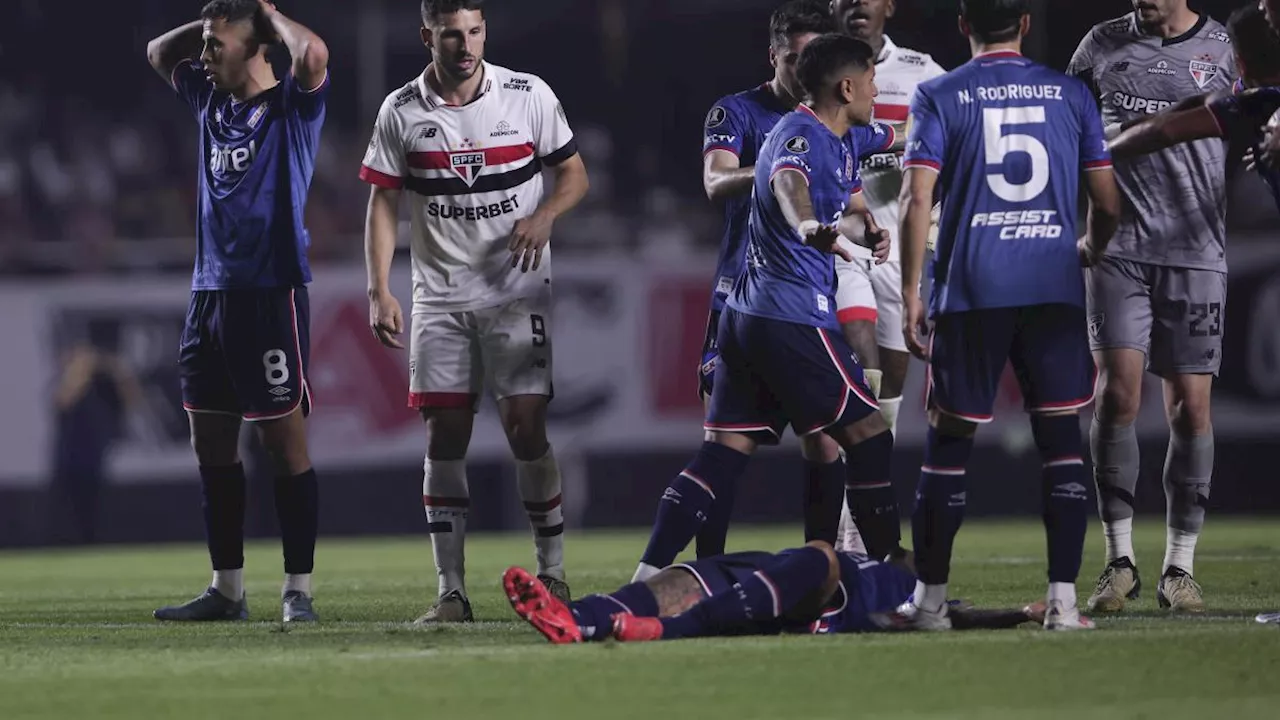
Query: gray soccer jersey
(1175, 214)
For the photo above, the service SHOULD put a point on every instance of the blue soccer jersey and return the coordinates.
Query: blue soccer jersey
(256, 162)
(738, 124)
(1241, 115)
(1009, 138)
(784, 279)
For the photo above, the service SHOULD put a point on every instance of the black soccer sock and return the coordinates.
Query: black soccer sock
(755, 602)
(940, 504)
(687, 500)
(823, 500)
(594, 613)
(714, 533)
(298, 509)
(1065, 493)
(869, 490)
(222, 490)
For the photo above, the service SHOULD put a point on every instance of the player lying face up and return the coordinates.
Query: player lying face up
(1238, 116)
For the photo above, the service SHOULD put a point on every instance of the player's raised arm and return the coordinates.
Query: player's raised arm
(181, 43)
(309, 54)
(723, 175)
(1166, 130)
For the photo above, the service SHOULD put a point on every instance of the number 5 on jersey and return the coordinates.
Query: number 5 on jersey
(1000, 145)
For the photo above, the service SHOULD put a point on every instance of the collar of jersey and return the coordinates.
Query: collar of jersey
(886, 50)
(436, 101)
(997, 54)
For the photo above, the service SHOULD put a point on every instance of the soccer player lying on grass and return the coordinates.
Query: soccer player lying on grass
(811, 589)
(1238, 116)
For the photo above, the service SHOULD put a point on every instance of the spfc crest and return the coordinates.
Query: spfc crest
(467, 165)
(1095, 325)
(1203, 70)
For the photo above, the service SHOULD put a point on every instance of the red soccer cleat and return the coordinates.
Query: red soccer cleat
(531, 601)
(629, 628)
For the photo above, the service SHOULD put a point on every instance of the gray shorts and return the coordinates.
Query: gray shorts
(1172, 314)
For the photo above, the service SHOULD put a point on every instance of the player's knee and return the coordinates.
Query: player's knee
(895, 365)
(449, 432)
(951, 425)
(285, 441)
(1188, 410)
(861, 431)
(1119, 388)
(214, 451)
(818, 448)
(524, 421)
(861, 335)
(1057, 435)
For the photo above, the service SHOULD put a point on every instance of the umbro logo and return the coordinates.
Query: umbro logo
(503, 130)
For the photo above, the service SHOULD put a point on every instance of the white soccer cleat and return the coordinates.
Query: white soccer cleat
(1059, 617)
(910, 616)
(1118, 583)
(1179, 592)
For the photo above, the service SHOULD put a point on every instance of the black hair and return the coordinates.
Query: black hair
(828, 56)
(433, 10)
(799, 17)
(994, 21)
(237, 10)
(1255, 42)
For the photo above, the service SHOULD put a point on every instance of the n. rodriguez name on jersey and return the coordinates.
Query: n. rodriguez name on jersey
(473, 171)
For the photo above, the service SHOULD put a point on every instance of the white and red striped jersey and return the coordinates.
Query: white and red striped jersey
(898, 72)
(471, 171)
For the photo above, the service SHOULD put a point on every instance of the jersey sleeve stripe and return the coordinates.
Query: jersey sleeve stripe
(783, 168)
(319, 86)
(1097, 165)
(173, 74)
(569, 150)
(442, 160)
(721, 148)
(891, 113)
(920, 163)
(381, 179)
(889, 141)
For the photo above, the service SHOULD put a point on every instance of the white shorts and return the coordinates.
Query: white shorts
(454, 356)
(867, 291)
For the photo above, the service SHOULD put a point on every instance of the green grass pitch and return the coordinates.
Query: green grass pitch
(77, 641)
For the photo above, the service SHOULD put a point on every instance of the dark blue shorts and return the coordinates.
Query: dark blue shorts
(245, 352)
(772, 373)
(710, 355)
(1048, 346)
(718, 574)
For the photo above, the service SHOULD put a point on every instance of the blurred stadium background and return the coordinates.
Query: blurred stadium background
(97, 178)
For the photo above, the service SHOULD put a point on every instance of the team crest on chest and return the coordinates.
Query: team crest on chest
(1203, 70)
(467, 164)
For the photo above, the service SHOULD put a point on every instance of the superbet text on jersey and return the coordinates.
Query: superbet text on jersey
(471, 171)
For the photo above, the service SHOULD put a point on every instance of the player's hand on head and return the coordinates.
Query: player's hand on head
(386, 319)
(914, 323)
(528, 239)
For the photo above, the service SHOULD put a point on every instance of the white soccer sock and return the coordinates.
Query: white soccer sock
(644, 572)
(1065, 592)
(848, 539)
(229, 582)
(889, 409)
(1180, 550)
(1119, 534)
(300, 582)
(930, 598)
(873, 378)
(447, 502)
(539, 483)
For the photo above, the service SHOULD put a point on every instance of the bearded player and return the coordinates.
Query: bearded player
(869, 297)
(245, 345)
(468, 140)
(1156, 301)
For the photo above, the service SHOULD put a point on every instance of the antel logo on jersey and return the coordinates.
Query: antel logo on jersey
(1162, 68)
(1138, 104)
(503, 130)
(1203, 70)
(226, 159)
(467, 165)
